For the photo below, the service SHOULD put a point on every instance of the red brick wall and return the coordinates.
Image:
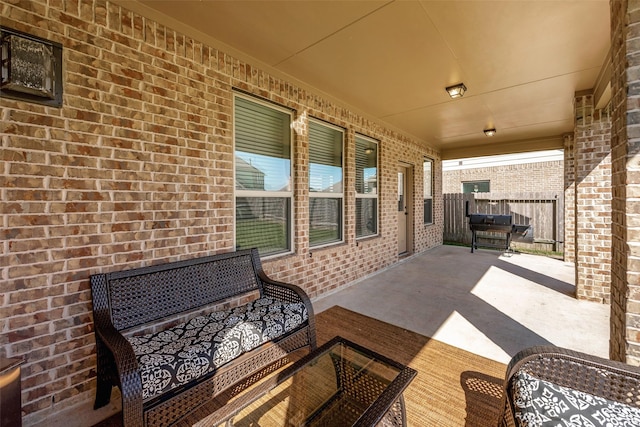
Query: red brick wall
(137, 168)
(569, 199)
(592, 157)
(625, 90)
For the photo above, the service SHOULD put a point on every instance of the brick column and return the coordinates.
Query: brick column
(625, 149)
(569, 199)
(592, 201)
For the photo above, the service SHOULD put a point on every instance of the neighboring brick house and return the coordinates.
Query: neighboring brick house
(531, 172)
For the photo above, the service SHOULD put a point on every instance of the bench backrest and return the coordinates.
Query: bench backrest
(142, 295)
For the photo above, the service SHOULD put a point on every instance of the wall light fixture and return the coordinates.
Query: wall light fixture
(30, 68)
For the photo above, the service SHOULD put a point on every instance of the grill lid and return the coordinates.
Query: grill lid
(484, 222)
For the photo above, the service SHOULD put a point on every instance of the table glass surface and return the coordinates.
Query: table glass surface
(333, 389)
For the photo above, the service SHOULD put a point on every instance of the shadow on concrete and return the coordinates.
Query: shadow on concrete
(539, 278)
(480, 301)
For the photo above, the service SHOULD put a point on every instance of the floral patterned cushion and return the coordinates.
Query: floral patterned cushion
(540, 403)
(173, 357)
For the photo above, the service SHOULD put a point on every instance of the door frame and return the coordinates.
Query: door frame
(410, 203)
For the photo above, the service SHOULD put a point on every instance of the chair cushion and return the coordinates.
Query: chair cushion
(540, 403)
(185, 352)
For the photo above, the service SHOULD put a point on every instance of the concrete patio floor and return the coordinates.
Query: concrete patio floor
(487, 303)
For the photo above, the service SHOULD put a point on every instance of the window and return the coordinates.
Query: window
(263, 177)
(325, 184)
(427, 171)
(476, 187)
(366, 187)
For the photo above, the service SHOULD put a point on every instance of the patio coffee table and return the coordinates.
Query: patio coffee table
(339, 384)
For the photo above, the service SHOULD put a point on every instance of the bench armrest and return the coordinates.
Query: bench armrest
(122, 354)
(282, 291)
(290, 293)
(124, 357)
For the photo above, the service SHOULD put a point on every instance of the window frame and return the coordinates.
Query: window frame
(238, 193)
(327, 195)
(364, 196)
(425, 196)
(475, 181)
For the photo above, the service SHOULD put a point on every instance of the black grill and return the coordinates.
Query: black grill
(490, 223)
(497, 224)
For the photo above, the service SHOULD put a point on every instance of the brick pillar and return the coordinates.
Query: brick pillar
(625, 159)
(569, 199)
(592, 201)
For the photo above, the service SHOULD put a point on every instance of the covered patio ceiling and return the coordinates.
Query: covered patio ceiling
(521, 61)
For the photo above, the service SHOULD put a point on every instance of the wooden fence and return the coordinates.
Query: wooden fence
(543, 211)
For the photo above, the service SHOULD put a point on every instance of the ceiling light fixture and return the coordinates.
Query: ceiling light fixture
(490, 132)
(456, 91)
(368, 150)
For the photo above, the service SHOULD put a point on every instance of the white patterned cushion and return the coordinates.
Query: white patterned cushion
(540, 403)
(185, 352)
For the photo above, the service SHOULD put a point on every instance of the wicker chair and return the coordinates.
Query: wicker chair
(614, 381)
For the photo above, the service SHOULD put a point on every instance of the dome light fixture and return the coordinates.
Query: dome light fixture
(490, 132)
(456, 91)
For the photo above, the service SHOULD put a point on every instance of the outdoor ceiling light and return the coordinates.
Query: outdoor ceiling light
(456, 91)
(490, 132)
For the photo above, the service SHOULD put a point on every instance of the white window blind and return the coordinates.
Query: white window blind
(261, 130)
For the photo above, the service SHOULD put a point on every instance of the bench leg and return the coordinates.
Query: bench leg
(103, 393)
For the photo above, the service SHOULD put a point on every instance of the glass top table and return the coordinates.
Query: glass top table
(339, 384)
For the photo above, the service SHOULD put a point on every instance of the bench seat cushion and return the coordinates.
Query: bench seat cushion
(185, 352)
(539, 403)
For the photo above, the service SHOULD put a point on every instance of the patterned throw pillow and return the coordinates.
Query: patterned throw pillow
(540, 403)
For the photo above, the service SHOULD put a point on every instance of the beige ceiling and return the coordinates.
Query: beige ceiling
(522, 61)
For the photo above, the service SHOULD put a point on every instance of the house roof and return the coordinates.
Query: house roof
(503, 160)
(521, 61)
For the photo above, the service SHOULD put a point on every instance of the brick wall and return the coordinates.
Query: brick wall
(569, 199)
(136, 168)
(625, 139)
(526, 177)
(592, 157)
